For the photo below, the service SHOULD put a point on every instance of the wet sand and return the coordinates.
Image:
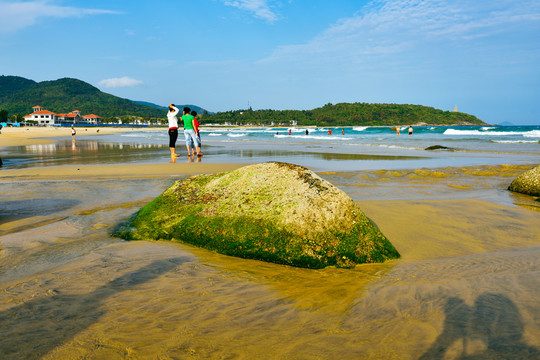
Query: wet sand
(114, 171)
(466, 286)
(32, 135)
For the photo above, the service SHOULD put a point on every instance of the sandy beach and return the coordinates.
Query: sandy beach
(32, 135)
(466, 286)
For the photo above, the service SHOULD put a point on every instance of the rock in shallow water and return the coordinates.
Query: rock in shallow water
(527, 183)
(275, 212)
(438, 147)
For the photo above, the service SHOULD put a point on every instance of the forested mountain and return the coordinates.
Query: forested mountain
(345, 114)
(18, 95)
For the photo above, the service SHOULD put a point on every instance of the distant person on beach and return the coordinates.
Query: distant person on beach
(73, 133)
(196, 128)
(342, 131)
(410, 130)
(329, 131)
(189, 131)
(0, 128)
(398, 129)
(307, 132)
(173, 128)
(290, 131)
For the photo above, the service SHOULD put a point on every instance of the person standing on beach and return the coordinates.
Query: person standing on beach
(410, 130)
(398, 129)
(173, 128)
(189, 131)
(73, 133)
(196, 128)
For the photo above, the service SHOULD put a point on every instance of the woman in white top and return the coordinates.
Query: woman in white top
(173, 128)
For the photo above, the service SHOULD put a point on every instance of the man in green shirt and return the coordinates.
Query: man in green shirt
(189, 131)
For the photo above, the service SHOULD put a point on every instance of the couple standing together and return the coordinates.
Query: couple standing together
(191, 130)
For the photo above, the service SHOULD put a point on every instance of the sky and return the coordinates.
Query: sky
(482, 56)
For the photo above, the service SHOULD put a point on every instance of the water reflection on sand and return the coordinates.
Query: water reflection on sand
(462, 290)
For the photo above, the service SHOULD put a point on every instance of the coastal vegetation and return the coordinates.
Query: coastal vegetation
(274, 212)
(18, 95)
(345, 114)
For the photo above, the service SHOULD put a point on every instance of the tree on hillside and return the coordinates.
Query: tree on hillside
(17, 118)
(3, 115)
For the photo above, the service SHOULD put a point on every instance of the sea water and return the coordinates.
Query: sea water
(350, 148)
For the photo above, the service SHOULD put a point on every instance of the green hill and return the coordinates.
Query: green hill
(345, 114)
(18, 95)
(198, 109)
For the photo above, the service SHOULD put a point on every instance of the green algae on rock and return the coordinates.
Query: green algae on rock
(527, 183)
(275, 212)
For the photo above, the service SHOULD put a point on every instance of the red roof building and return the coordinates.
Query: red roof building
(45, 117)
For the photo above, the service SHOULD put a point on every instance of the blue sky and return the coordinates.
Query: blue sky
(483, 56)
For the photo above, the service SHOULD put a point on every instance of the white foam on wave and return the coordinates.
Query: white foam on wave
(297, 130)
(360, 128)
(214, 134)
(486, 128)
(533, 133)
(516, 141)
(236, 135)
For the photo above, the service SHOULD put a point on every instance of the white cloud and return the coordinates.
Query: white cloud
(16, 15)
(120, 82)
(259, 8)
(385, 27)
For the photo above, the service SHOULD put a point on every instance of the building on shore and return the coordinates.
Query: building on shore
(46, 117)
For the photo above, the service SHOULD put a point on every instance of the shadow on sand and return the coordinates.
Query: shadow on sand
(33, 329)
(493, 321)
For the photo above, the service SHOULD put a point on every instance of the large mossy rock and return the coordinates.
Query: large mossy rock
(527, 183)
(275, 212)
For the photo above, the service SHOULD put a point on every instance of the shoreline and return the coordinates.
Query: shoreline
(33, 135)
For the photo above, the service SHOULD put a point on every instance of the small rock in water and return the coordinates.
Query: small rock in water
(527, 183)
(438, 147)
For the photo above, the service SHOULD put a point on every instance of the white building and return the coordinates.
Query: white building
(46, 117)
(42, 116)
